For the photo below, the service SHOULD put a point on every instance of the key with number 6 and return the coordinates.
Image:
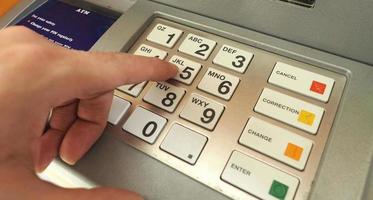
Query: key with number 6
(219, 83)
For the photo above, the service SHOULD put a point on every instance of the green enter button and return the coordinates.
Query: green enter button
(278, 190)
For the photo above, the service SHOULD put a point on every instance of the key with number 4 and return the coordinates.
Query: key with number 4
(148, 51)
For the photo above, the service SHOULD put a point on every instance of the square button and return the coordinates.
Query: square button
(133, 89)
(318, 87)
(164, 96)
(233, 58)
(145, 125)
(278, 190)
(219, 83)
(188, 69)
(293, 151)
(118, 109)
(184, 143)
(148, 51)
(164, 35)
(306, 117)
(202, 111)
(197, 46)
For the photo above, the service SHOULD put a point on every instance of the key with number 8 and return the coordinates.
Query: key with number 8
(164, 96)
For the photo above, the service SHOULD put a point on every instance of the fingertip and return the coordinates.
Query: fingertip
(67, 160)
(174, 69)
(163, 70)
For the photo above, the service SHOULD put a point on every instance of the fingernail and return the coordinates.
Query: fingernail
(68, 161)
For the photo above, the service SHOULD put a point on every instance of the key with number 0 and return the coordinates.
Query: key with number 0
(145, 125)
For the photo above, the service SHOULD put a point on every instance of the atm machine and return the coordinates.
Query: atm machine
(273, 99)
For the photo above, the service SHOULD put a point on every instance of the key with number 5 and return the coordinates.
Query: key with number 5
(188, 69)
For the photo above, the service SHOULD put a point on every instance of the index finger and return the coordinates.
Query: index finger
(86, 74)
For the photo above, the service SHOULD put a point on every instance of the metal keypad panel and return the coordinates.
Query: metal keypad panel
(246, 122)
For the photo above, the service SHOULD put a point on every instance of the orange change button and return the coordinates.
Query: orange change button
(293, 151)
(6, 5)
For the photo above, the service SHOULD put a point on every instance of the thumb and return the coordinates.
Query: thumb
(30, 187)
(86, 74)
(18, 181)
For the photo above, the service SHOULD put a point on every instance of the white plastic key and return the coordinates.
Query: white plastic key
(197, 46)
(302, 81)
(290, 110)
(233, 58)
(145, 125)
(219, 83)
(202, 111)
(164, 96)
(276, 142)
(119, 107)
(184, 143)
(258, 178)
(149, 51)
(164, 35)
(188, 69)
(133, 89)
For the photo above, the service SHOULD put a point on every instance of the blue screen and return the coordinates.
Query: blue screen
(67, 25)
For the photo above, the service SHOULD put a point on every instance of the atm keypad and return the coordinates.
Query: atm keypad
(232, 110)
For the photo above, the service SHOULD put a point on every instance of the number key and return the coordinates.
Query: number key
(145, 125)
(202, 111)
(164, 96)
(197, 46)
(188, 69)
(219, 83)
(148, 51)
(164, 35)
(133, 89)
(233, 58)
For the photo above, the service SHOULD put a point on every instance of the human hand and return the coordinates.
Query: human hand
(36, 76)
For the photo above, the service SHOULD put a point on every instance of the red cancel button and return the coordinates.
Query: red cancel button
(318, 87)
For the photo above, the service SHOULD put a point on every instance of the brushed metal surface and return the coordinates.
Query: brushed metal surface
(224, 139)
